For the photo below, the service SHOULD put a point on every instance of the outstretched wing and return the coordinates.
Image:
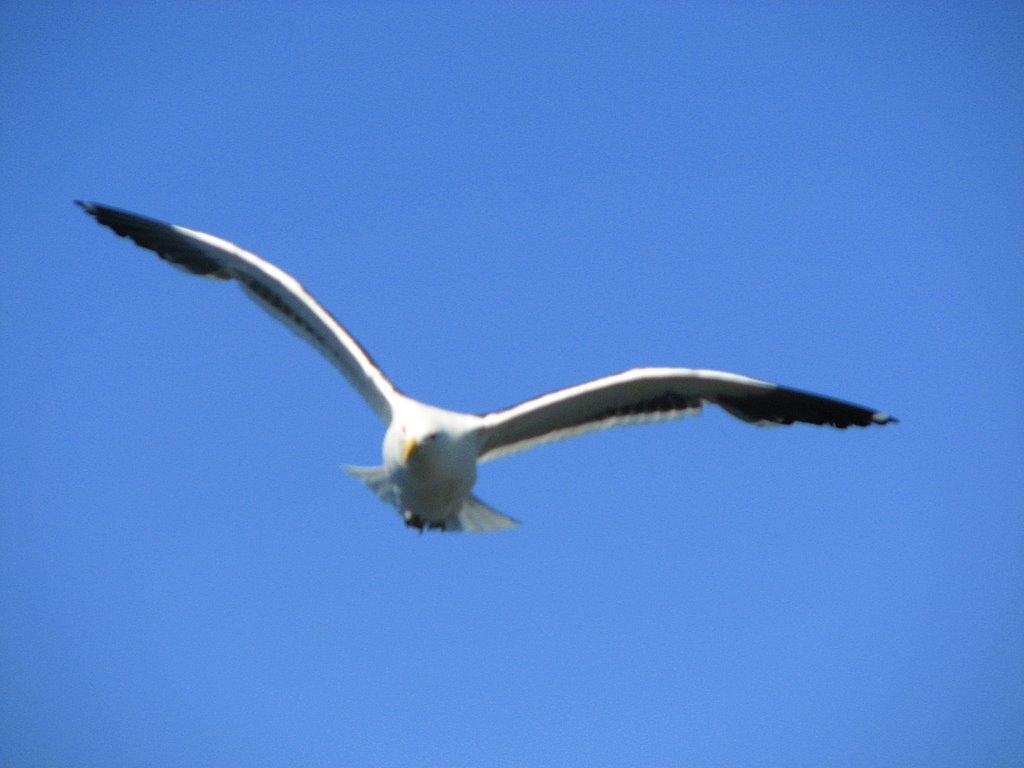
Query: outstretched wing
(271, 287)
(655, 394)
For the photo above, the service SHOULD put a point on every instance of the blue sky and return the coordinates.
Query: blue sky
(497, 202)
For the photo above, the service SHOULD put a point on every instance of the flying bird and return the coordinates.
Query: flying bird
(430, 455)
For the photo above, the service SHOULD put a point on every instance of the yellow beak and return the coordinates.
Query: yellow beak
(410, 446)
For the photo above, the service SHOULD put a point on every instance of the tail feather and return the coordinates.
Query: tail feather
(478, 517)
(474, 515)
(375, 478)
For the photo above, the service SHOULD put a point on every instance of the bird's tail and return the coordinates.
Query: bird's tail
(474, 516)
(478, 517)
(375, 478)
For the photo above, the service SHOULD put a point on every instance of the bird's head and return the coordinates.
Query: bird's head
(429, 442)
(419, 445)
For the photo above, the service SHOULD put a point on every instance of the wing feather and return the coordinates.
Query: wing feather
(272, 288)
(643, 395)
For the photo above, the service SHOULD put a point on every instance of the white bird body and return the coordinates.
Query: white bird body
(429, 458)
(429, 454)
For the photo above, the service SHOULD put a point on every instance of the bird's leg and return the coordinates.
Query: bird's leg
(413, 520)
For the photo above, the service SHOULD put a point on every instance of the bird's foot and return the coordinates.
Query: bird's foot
(412, 520)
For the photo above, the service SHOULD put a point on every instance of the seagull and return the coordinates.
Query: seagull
(430, 454)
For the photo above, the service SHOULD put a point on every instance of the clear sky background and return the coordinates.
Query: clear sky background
(498, 202)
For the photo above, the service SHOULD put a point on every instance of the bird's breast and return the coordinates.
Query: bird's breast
(432, 497)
